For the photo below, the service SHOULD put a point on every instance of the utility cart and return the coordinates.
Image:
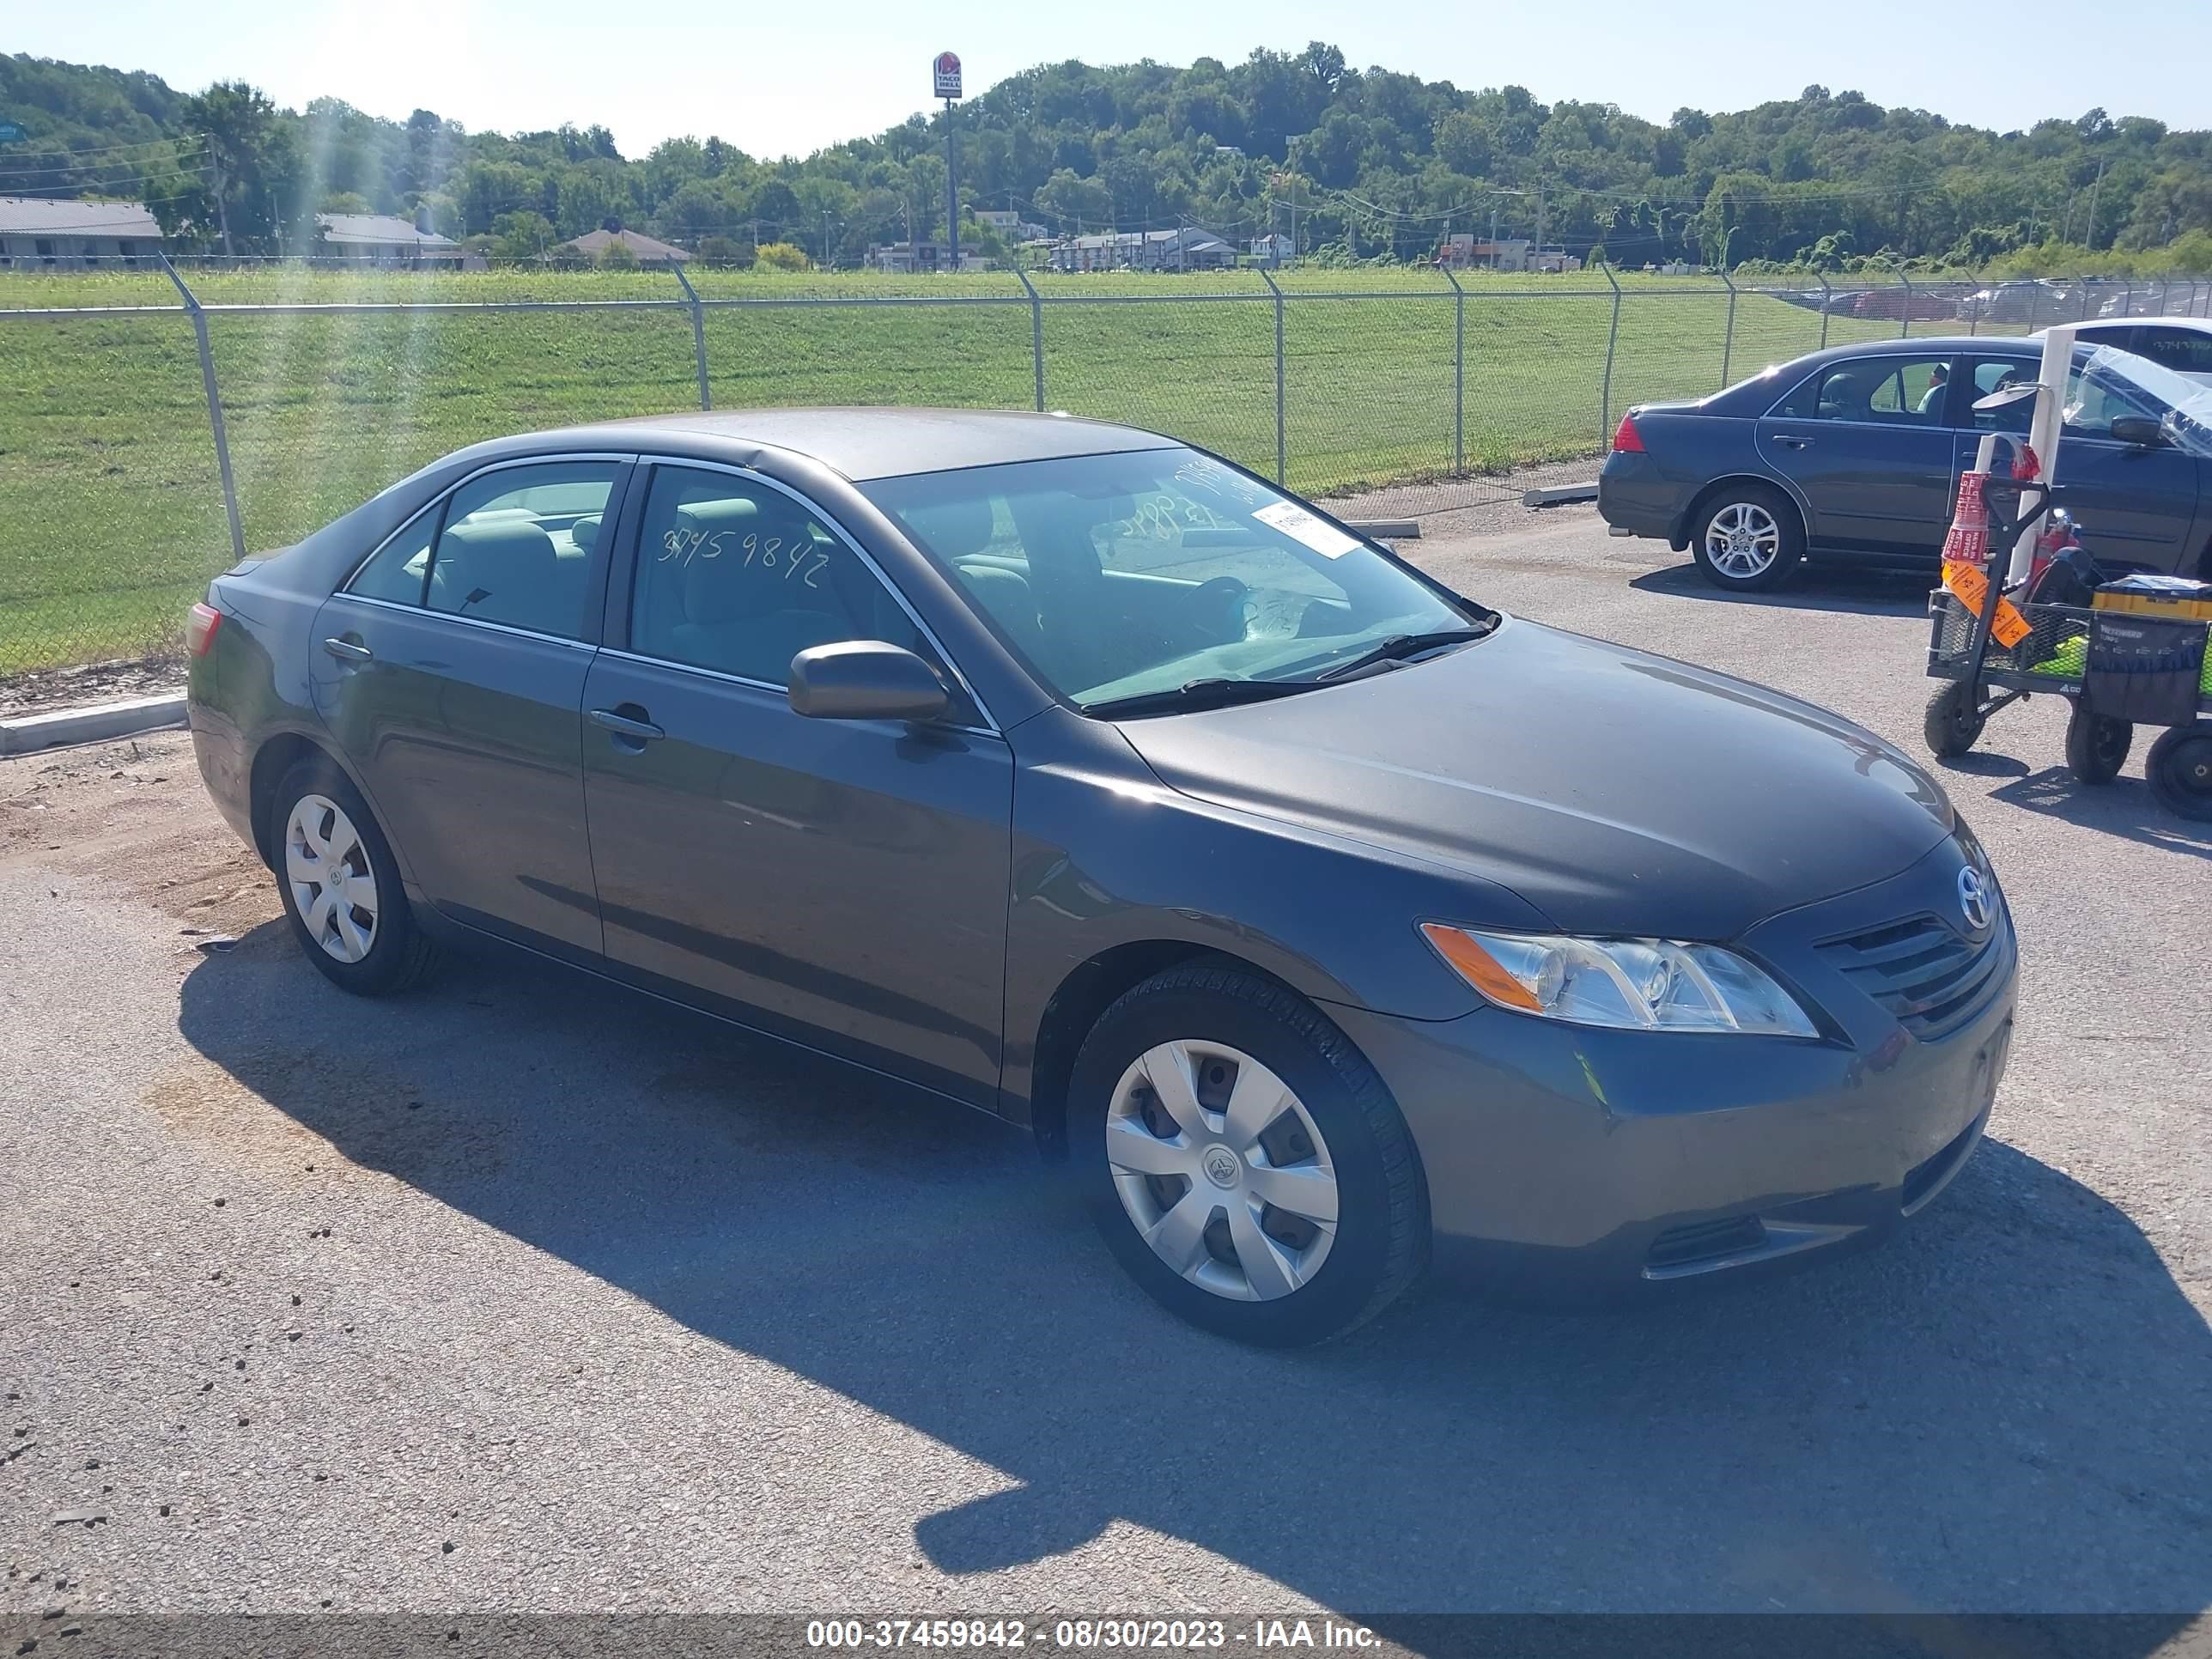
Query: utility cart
(2134, 654)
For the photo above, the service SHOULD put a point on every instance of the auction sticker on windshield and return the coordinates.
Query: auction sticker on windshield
(1301, 526)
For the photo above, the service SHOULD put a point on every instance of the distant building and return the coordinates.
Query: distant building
(1463, 252)
(646, 250)
(1275, 250)
(37, 234)
(1007, 223)
(384, 238)
(907, 258)
(1187, 249)
(1554, 259)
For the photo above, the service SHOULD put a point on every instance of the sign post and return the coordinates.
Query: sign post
(945, 78)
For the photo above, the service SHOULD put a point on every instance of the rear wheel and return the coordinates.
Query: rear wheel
(2179, 768)
(1748, 538)
(341, 886)
(1243, 1160)
(1954, 720)
(2096, 745)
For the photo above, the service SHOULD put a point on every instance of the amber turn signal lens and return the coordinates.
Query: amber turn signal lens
(1479, 968)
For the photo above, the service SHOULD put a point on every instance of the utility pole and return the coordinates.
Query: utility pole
(1539, 218)
(2089, 238)
(826, 263)
(1493, 233)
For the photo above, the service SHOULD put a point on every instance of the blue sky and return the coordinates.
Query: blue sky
(787, 79)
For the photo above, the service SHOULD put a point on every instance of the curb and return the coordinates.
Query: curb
(1559, 497)
(1385, 530)
(29, 733)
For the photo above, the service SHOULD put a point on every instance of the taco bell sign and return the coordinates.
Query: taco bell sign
(947, 70)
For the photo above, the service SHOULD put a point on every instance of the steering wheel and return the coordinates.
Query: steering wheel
(1221, 609)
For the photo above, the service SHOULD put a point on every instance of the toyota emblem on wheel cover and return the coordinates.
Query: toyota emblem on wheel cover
(1974, 898)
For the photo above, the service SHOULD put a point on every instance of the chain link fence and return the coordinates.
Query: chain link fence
(157, 427)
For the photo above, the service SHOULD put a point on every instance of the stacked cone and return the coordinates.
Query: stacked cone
(1967, 541)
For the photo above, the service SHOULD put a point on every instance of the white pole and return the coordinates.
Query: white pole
(2043, 435)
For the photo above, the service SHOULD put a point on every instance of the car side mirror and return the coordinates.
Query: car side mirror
(864, 680)
(2140, 430)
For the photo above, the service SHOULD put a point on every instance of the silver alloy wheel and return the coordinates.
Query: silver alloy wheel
(1222, 1169)
(1742, 540)
(333, 883)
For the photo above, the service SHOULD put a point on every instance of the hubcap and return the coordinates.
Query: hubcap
(1222, 1170)
(1742, 540)
(333, 883)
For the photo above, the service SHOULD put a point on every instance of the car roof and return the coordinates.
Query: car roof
(862, 443)
(2195, 324)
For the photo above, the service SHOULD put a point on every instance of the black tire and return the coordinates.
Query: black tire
(1381, 1244)
(2096, 745)
(1789, 558)
(398, 955)
(1954, 720)
(2179, 768)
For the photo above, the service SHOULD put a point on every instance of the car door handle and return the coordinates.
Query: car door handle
(624, 725)
(1792, 441)
(348, 650)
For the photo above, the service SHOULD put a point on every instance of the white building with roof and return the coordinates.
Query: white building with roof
(43, 234)
(384, 238)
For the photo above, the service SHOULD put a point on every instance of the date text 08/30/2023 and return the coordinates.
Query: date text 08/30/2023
(1088, 1634)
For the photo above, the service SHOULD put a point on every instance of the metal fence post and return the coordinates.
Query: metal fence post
(1280, 446)
(1459, 371)
(1612, 340)
(214, 409)
(1036, 332)
(2034, 302)
(1727, 343)
(2127, 297)
(1904, 328)
(1827, 303)
(2084, 289)
(698, 332)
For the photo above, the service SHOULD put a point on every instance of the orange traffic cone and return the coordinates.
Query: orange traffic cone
(1967, 541)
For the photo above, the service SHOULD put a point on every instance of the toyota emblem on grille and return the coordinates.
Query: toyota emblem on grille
(1974, 895)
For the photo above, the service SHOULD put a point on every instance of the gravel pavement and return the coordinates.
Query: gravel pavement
(525, 1293)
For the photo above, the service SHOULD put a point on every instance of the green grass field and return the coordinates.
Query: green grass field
(111, 510)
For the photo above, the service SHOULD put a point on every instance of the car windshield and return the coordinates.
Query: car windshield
(1122, 576)
(2110, 382)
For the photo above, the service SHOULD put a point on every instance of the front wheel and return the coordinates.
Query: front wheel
(2096, 745)
(1748, 538)
(1243, 1160)
(341, 886)
(1954, 720)
(2179, 768)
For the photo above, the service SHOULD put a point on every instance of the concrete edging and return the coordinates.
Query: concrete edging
(28, 734)
(1560, 496)
(1386, 530)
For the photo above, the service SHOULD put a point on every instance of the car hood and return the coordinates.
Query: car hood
(1616, 791)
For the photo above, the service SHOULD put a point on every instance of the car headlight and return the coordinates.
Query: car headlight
(1634, 984)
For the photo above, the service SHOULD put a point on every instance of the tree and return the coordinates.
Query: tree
(618, 256)
(236, 123)
(780, 256)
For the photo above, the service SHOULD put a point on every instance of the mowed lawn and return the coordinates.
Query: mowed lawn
(111, 509)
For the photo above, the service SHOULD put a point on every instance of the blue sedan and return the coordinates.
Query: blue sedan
(1852, 456)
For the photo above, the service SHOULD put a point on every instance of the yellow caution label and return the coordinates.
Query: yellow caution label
(1972, 584)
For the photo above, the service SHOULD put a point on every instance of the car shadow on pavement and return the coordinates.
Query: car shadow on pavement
(2008, 1408)
(2125, 808)
(1861, 593)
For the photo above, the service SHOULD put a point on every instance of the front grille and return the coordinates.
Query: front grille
(1705, 1241)
(1921, 971)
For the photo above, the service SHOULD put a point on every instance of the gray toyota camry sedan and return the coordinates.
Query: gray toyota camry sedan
(1322, 921)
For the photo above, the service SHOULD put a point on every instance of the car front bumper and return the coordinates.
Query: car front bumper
(1569, 1161)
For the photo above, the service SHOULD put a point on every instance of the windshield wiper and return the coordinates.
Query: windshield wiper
(1210, 693)
(1399, 647)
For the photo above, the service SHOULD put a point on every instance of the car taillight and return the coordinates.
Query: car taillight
(199, 628)
(1626, 439)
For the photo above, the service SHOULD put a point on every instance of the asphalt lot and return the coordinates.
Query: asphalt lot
(522, 1293)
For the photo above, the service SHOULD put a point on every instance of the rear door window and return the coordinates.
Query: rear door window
(517, 544)
(1881, 391)
(2184, 350)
